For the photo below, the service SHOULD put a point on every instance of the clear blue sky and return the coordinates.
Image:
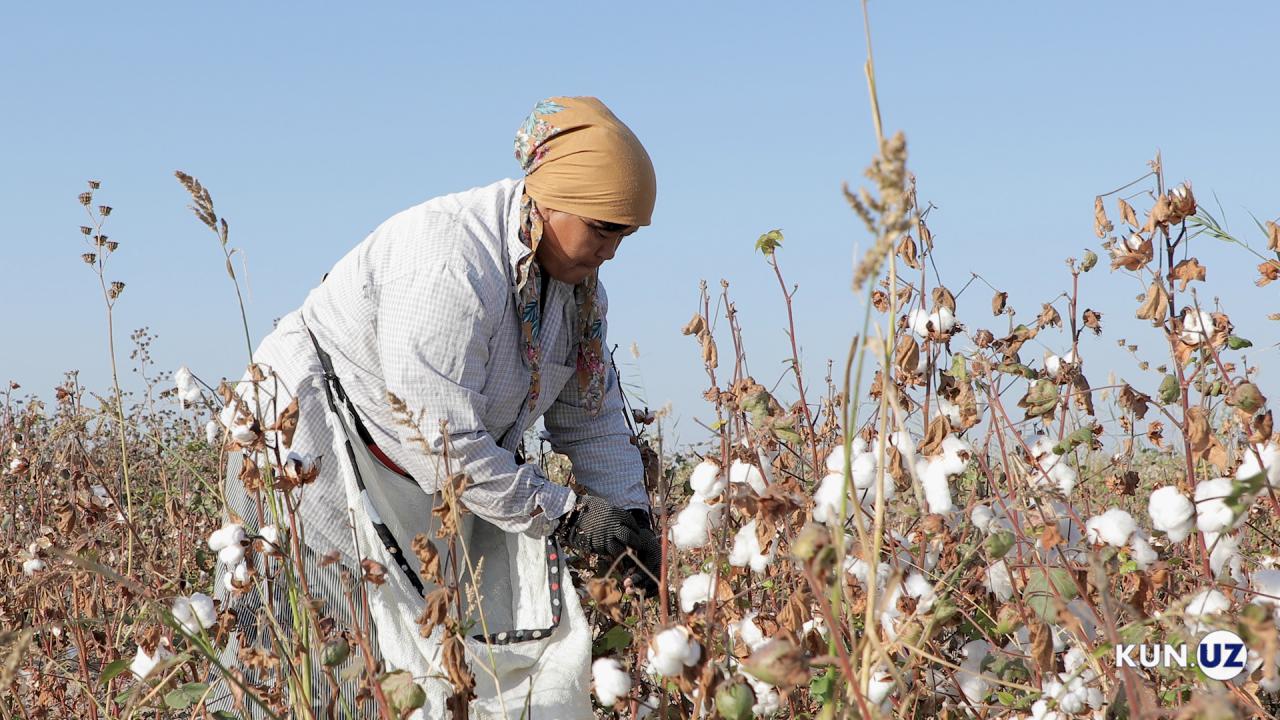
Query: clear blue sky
(311, 124)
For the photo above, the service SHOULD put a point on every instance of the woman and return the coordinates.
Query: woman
(480, 312)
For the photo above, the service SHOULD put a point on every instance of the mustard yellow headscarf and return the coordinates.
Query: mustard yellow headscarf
(579, 158)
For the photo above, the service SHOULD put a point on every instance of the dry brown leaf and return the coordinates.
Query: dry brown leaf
(942, 297)
(1101, 225)
(1127, 214)
(696, 326)
(1134, 401)
(428, 558)
(907, 251)
(1273, 237)
(1093, 321)
(434, 611)
(1155, 306)
(1050, 538)
(939, 429)
(907, 355)
(287, 423)
(1042, 646)
(1049, 317)
(1270, 271)
(1186, 271)
(998, 302)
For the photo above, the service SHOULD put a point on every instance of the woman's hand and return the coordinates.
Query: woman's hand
(616, 535)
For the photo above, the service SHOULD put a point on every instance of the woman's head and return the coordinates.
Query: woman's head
(592, 181)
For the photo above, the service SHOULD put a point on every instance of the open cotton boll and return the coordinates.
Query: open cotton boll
(747, 551)
(1266, 583)
(611, 682)
(706, 480)
(1270, 463)
(999, 581)
(918, 586)
(673, 649)
(144, 664)
(1213, 515)
(741, 473)
(1055, 474)
(1224, 553)
(937, 485)
(982, 516)
(1197, 326)
(1202, 605)
(1042, 448)
(695, 589)
(32, 566)
(1171, 513)
(879, 685)
(194, 613)
(749, 631)
(1141, 552)
(835, 459)
(693, 525)
(231, 554)
(243, 434)
(969, 679)
(918, 319)
(239, 574)
(1112, 527)
(188, 389)
(227, 535)
(229, 413)
(858, 568)
(943, 320)
(768, 702)
(827, 500)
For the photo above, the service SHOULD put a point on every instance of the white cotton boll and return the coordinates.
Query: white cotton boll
(243, 434)
(879, 685)
(955, 454)
(303, 462)
(706, 480)
(32, 566)
(144, 664)
(835, 459)
(695, 589)
(972, 684)
(943, 320)
(858, 568)
(1266, 583)
(693, 525)
(228, 534)
(1057, 474)
(749, 631)
(1112, 527)
(194, 613)
(1270, 454)
(240, 574)
(231, 554)
(999, 581)
(982, 516)
(672, 650)
(1141, 552)
(951, 411)
(1203, 604)
(1212, 512)
(270, 534)
(647, 707)
(610, 680)
(1042, 448)
(919, 587)
(827, 500)
(937, 487)
(212, 431)
(768, 702)
(1197, 325)
(1224, 553)
(918, 319)
(864, 470)
(741, 473)
(1171, 513)
(747, 551)
(228, 414)
(188, 388)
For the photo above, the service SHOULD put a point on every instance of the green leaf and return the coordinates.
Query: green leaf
(1236, 342)
(1169, 390)
(185, 695)
(1040, 595)
(618, 638)
(959, 370)
(769, 242)
(112, 669)
(823, 687)
(1081, 436)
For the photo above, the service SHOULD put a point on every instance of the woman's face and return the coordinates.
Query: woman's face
(572, 246)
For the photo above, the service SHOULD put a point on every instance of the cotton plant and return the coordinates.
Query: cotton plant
(144, 663)
(922, 322)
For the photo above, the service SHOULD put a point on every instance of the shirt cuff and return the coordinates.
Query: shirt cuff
(555, 500)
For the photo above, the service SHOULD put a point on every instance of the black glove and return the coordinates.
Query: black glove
(595, 526)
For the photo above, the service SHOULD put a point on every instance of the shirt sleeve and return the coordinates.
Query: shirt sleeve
(605, 460)
(433, 338)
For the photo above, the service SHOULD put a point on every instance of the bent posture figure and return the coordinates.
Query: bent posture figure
(480, 312)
